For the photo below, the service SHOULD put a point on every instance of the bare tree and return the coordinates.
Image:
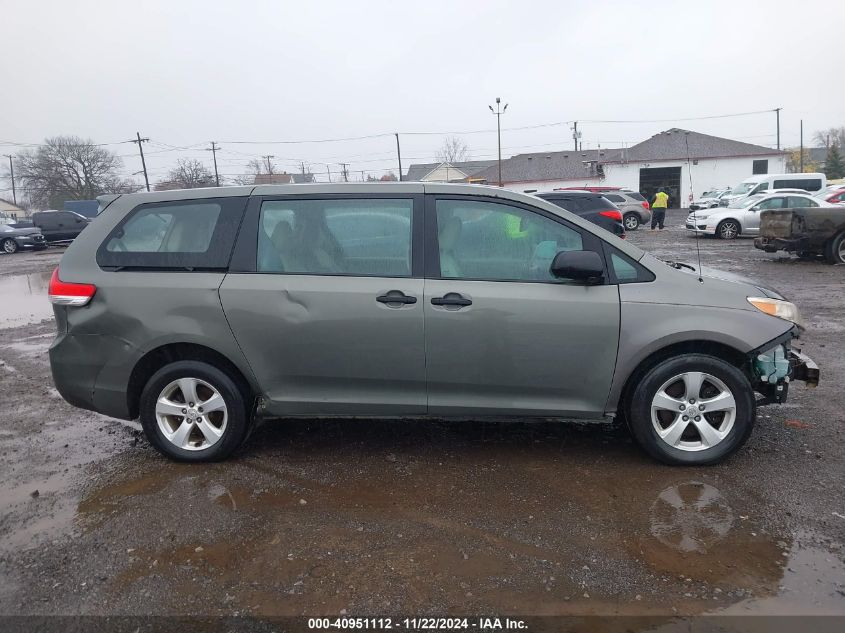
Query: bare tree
(453, 150)
(188, 174)
(256, 167)
(830, 136)
(69, 168)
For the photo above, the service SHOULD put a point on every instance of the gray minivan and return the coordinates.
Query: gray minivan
(204, 311)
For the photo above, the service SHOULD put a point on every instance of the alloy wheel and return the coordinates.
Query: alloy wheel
(840, 253)
(191, 414)
(693, 411)
(10, 246)
(631, 222)
(728, 230)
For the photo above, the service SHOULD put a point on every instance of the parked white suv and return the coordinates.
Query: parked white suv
(742, 216)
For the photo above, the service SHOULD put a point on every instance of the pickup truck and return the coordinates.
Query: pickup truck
(807, 231)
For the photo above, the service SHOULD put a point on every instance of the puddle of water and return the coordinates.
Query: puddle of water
(507, 525)
(23, 299)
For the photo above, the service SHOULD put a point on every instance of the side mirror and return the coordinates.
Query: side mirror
(585, 266)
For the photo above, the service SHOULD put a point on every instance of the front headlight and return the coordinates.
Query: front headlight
(776, 307)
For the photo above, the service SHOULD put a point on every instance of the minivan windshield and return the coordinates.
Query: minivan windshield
(743, 188)
(744, 203)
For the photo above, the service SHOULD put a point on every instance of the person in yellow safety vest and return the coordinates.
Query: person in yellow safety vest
(658, 209)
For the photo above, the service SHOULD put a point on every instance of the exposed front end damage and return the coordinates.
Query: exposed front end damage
(774, 365)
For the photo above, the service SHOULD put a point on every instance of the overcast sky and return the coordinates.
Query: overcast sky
(184, 73)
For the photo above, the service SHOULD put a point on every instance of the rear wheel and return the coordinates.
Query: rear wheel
(692, 410)
(836, 250)
(194, 412)
(632, 221)
(10, 246)
(728, 229)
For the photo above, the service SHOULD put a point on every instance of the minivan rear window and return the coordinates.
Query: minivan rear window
(191, 234)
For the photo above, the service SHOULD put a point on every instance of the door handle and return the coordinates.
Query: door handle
(451, 299)
(398, 297)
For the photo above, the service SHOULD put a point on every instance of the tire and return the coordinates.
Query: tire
(835, 251)
(9, 246)
(631, 221)
(651, 406)
(208, 436)
(728, 229)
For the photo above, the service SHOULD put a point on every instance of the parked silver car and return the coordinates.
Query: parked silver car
(204, 311)
(635, 208)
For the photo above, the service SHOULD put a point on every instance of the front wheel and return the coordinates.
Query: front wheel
(728, 229)
(194, 412)
(836, 250)
(692, 410)
(10, 246)
(632, 221)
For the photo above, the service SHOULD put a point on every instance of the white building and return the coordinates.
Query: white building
(666, 161)
(447, 172)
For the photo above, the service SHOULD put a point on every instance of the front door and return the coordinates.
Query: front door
(751, 223)
(503, 337)
(331, 316)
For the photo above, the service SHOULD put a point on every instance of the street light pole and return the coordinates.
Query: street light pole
(499, 112)
(12, 174)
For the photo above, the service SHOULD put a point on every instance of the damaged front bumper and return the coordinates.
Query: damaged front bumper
(776, 364)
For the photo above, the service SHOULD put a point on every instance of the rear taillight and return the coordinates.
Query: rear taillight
(616, 215)
(64, 293)
(646, 206)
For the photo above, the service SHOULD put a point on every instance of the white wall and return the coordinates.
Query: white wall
(444, 173)
(707, 174)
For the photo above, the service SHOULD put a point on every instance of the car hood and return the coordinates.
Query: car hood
(723, 275)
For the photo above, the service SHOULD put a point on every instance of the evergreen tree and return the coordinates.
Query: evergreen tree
(834, 167)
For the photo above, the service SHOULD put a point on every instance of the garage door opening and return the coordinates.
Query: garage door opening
(653, 179)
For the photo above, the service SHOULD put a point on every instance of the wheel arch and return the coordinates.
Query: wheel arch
(163, 355)
(715, 349)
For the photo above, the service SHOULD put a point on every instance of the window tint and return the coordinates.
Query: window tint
(190, 234)
(614, 198)
(808, 184)
(635, 195)
(484, 240)
(799, 202)
(336, 237)
(760, 167)
(761, 187)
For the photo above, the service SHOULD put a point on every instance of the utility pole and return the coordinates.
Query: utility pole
(12, 173)
(140, 142)
(575, 134)
(328, 174)
(268, 158)
(399, 156)
(499, 114)
(777, 114)
(344, 171)
(213, 149)
(801, 150)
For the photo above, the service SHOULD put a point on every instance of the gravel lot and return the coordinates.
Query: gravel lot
(372, 517)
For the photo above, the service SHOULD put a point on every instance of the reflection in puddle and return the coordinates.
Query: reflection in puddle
(23, 299)
(690, 517)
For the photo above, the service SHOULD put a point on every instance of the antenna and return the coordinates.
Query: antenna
(694, 219)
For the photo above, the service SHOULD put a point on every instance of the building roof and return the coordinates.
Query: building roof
(468, 167)
(282, 179)
(567, 165)
(672, 145)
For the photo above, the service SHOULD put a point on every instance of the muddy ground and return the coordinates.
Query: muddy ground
(372, 517)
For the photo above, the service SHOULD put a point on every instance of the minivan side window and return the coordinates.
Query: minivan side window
(191, 234)
(360, 237)
(498, 242)
(808, 184)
